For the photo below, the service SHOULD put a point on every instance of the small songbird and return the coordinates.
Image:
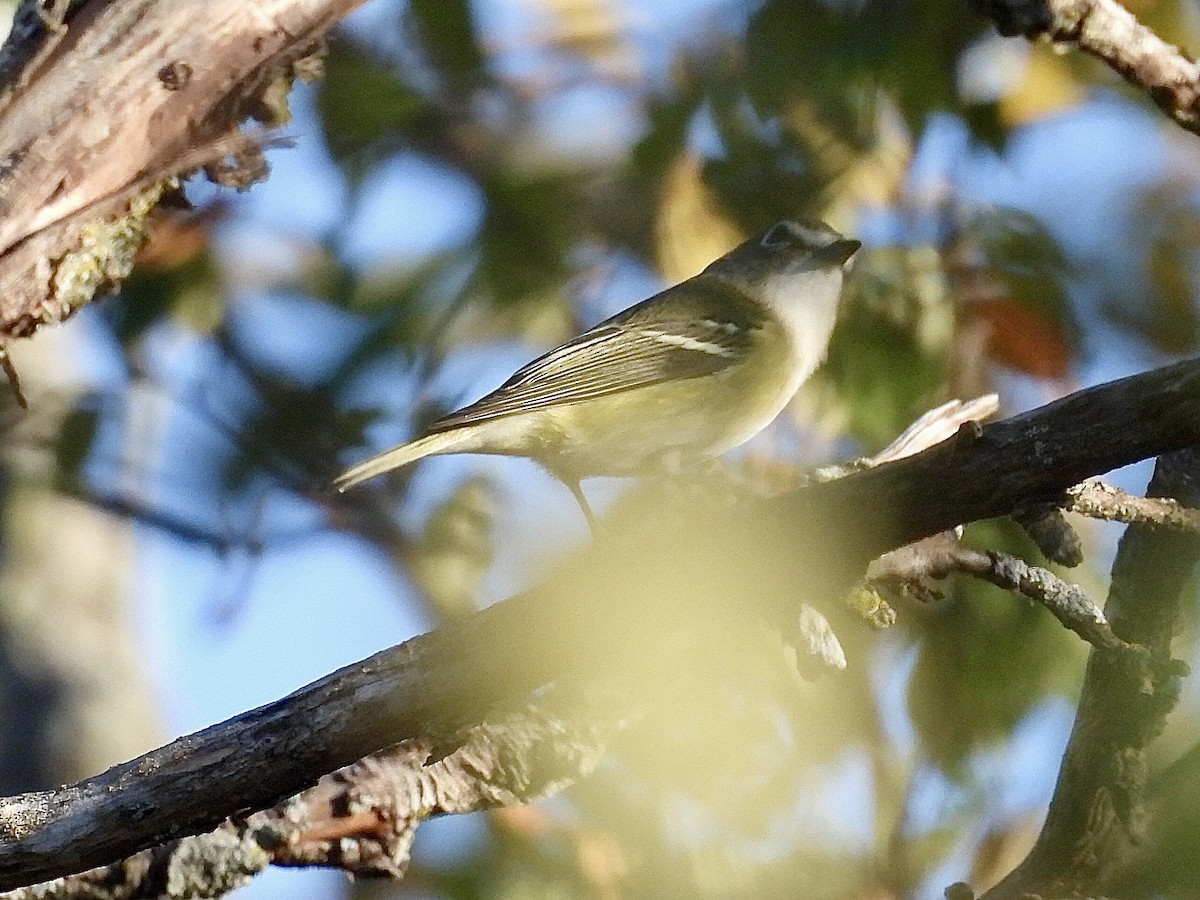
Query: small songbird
(688, 374)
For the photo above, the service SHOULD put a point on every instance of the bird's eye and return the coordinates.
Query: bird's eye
(780, 235)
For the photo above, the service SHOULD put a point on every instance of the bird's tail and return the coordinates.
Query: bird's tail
(441, 442)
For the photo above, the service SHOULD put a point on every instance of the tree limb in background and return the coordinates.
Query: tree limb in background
(168, 86)
(1098, 812)
(1110, 32)
(615, 608)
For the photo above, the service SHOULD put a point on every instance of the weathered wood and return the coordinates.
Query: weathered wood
(1099, 814)
(99, 111)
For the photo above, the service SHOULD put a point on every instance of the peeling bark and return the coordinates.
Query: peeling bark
(105, 103)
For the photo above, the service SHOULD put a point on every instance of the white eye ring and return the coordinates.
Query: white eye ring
(780, 235)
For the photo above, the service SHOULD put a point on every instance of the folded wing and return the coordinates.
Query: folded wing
(701, 333)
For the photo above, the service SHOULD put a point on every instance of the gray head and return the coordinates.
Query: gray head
(786, 248)
(795, 269)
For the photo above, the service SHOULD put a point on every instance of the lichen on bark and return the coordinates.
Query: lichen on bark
(104, 256)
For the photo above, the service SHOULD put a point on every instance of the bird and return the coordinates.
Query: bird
(683, 376)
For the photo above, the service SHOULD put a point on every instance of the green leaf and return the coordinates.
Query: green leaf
(364, 106)
(445, 31)
(525, 237)
(837, 56)
(73, 443)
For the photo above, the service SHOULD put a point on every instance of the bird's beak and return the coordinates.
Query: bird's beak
(839, 251)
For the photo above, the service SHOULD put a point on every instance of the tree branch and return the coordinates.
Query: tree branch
(1108, 31)
(612, 610)
(939, 558)
(1111, 504)
(1098, 812)
(102, 104)
(362, 818)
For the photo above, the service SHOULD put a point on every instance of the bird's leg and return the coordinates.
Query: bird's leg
(572, 484)
(577, 492)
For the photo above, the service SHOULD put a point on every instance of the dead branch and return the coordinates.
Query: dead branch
(1111, 504)
(942, 556)
(362, 818)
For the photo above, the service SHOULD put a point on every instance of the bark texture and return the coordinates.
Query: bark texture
(1108, 31)
(102, 104)
(1099, 812)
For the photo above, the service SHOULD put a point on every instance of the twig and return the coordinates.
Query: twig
(1098, 500)
(1046, 526)
(14, 379)
(942, 556)
(1098, 813)
(1107, 30)
(1069, 603)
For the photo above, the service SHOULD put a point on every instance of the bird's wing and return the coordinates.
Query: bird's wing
(706, 331)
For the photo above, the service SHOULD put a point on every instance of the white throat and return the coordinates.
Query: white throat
(806, 303)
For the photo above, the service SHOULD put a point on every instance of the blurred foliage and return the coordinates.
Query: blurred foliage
(455, 550)
(1164, 312)
(73, 445)
(985, 658)
(1011, 277)
(446, 38)
(899, 318)
(697, 133)
(1169, 860)
(855, 55)
(173, 276)
(365, 107)
(524, 239)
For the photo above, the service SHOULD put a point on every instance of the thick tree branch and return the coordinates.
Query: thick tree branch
(613, 610)
(1108, 31)
(1098, 812)
(362, 818)
(105, 102)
